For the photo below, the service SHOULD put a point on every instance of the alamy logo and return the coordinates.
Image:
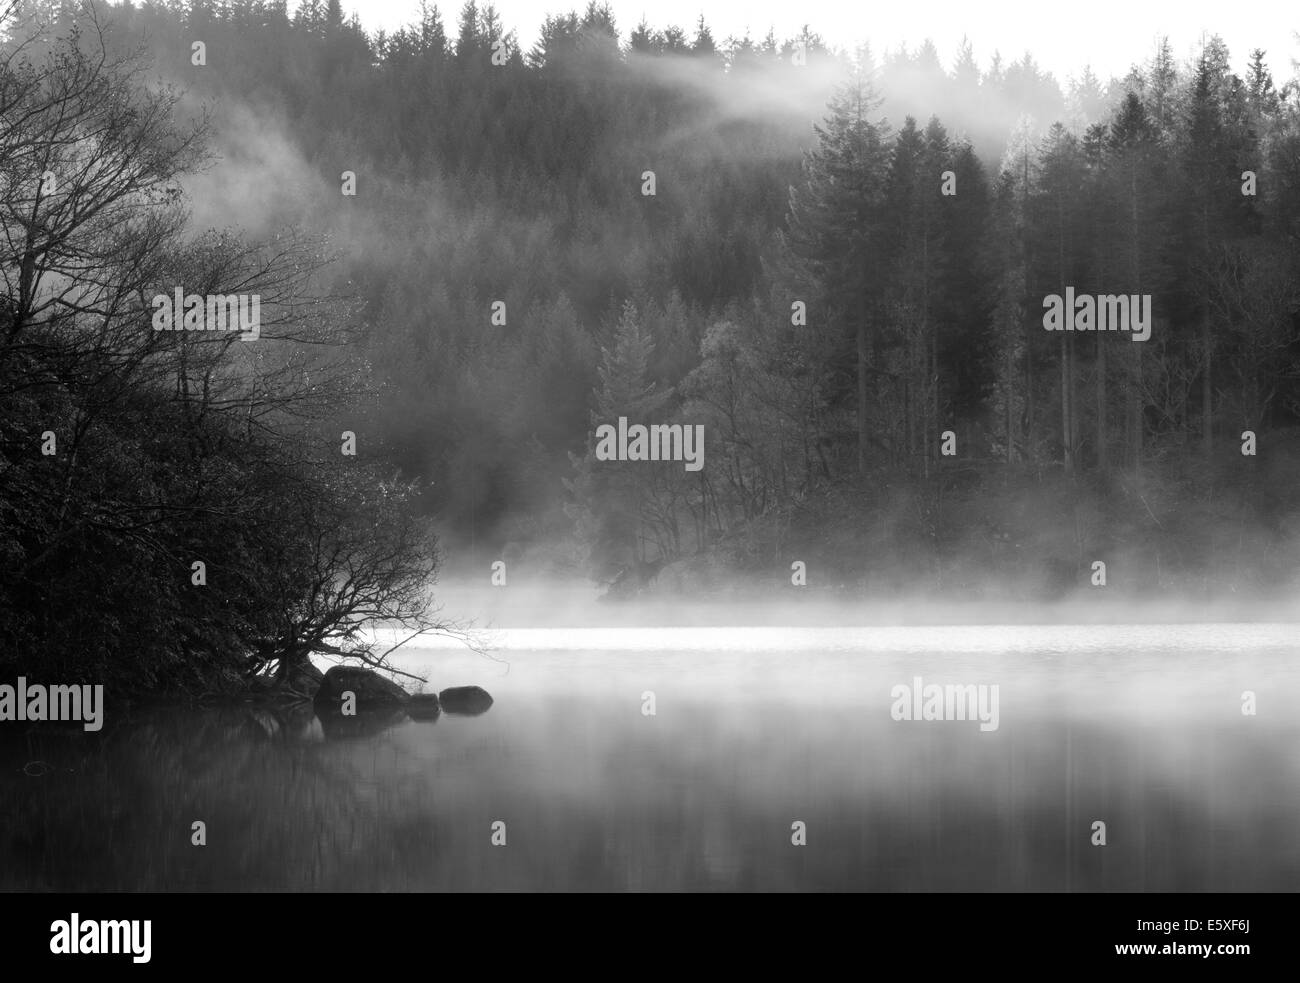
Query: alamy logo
(1103, 312)
(38, 702)
(972, 701)
(659, 442)
(213, 312)
(101, 937)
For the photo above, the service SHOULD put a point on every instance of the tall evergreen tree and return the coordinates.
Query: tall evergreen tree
(836, 225)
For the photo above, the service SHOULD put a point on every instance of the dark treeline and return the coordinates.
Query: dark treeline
(487, 171)
(175, 515)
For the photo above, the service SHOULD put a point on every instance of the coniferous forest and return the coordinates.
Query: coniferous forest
(473, 250)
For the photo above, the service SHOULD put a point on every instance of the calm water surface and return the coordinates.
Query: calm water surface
(754, 729)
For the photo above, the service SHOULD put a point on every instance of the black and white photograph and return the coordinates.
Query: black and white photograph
(517, 449)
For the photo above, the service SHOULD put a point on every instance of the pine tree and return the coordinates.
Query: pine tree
(836, 223)
(1018, 180)
(1208, 174)
(609, 497)
(1134, 159)
(1160, 91)
(1264, 100)
(1058, 221)
(468, 40)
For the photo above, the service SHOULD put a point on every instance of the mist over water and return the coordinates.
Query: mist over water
(578, 604)
(754, 729)
(955, 600)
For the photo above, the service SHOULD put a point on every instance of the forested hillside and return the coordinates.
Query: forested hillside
(840, 274)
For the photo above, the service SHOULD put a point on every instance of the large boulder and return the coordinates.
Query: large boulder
(468, 700)
(306, 679)
(373, 692)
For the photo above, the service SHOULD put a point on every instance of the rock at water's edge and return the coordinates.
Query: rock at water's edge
(373, 691)
(424, 706)
(305, 679)
(465, 700)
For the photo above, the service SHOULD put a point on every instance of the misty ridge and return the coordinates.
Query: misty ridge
(472, 253)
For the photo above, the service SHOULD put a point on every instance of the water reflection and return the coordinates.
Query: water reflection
(597, 795)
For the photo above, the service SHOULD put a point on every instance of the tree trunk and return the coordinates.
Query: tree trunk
(1067, 448)
(862, 392)
(1028, 429)
(1207, 417)
(1103, 459)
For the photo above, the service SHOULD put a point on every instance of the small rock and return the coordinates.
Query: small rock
(424, 706)
(468, 700)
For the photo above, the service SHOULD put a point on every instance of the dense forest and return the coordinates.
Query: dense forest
(476, 252)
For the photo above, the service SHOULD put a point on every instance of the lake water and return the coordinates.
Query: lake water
(753, 730)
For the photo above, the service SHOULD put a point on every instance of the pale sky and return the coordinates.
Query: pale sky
(1107, 34)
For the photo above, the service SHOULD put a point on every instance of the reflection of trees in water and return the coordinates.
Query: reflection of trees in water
(594, 804)
(284, 810)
